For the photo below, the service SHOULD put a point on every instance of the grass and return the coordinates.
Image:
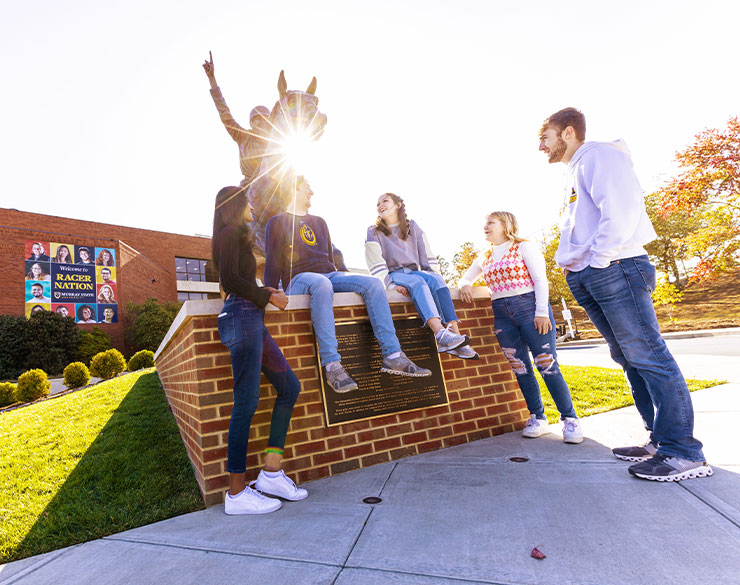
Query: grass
(597, 390)
(92, 463)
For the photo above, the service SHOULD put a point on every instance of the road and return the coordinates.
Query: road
(700, 357)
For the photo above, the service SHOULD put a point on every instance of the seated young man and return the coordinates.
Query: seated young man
(299, 253)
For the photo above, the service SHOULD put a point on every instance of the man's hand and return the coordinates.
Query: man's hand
(542, 324)
(466, 294)
(403, 290)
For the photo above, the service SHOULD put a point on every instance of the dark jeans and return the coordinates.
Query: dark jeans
(241, 326)
(516, 333)
(618, 301)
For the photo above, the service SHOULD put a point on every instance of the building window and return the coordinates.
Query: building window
(191, 296)
(191, 269)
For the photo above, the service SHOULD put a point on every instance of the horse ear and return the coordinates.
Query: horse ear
(282, 84)
(312, 87)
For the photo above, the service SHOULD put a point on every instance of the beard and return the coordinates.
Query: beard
(557, 152)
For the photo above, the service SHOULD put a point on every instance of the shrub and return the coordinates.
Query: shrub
(32, 384)
(7, 393)
(50, 342)
(76, 375)
(149, 322)
(92, 343)
(141, 359)
(12, 342)
(107, 364)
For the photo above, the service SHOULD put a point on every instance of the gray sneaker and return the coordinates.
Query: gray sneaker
(403, 366)
(339, 380)
(448, 340)
(465, 352)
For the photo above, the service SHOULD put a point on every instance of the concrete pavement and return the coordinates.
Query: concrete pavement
(467, 514)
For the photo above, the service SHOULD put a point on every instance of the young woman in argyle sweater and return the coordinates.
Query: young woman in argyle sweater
(514, 270)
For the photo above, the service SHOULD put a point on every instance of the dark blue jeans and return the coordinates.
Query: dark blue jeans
(515, 330)
(618, 301)
(241, 326)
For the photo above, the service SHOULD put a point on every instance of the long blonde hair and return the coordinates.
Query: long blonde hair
(511, 228)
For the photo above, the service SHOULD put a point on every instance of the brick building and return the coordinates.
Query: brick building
(165, 266)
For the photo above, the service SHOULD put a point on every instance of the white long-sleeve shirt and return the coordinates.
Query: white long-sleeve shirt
(604, 218)
(535, 263)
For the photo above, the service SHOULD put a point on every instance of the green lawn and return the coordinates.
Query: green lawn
(597, 390)
(105, 459)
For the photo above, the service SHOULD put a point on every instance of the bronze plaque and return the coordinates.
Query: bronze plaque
(381, 393)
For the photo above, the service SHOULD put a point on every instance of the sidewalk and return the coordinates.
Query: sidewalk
(466, 514)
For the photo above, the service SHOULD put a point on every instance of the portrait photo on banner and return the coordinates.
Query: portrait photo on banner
(107, 294)
(106, 274)
(38, 270)
(105, 256)
(84, 254)
(36, 250)
(38, 292)
(85, 313)
(107, 313)
(32, 308)
(64, 309)
(62, 253)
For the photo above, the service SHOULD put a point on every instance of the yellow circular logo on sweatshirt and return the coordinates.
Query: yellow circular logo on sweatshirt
(307, 235)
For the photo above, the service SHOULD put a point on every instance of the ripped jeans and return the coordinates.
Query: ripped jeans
(514, 328)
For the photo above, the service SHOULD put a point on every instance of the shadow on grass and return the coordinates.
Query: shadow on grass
(135, 472)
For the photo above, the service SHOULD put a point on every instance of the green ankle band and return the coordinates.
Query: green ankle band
(276, 450)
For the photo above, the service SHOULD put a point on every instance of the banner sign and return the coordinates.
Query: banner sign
(74, 280)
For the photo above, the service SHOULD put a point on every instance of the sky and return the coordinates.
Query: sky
(105, 112)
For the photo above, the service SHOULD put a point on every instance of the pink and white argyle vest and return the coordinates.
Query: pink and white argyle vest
(509, 276)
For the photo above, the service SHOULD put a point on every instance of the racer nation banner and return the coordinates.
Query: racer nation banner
(76, 281)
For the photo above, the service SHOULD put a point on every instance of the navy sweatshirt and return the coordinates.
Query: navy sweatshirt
(296, 244)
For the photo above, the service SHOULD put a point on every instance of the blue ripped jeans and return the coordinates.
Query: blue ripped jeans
(515, 330)
(618, 301)
(429, 292)
(241, 326)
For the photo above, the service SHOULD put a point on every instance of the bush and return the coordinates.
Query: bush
(12, 342)
(50, 342)
(76, 375)
(7, 393)
(148, 323)
(141, 359)
(107, 364)
(92, 343)
(32, 384)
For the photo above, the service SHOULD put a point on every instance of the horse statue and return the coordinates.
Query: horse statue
(294, 118)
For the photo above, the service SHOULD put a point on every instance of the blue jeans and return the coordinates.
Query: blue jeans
(513, 319)
(618, 301)
(321, 287)
(241, 326)
(429, 292)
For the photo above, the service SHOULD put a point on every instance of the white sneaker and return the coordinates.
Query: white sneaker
(448, 340)
(281, 486)
(536, 427)
(250, 502)
(572, 431)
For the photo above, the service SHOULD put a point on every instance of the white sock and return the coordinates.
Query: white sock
(271, 474)
(393, 356)
(331, 365)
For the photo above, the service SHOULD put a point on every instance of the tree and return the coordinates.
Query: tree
(149, 322)
(462, 260)
(709, 182)
(670, 248)
(555, 277)
(444, 268)
(51, 342)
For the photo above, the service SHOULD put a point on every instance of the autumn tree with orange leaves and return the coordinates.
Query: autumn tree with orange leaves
(708, 184)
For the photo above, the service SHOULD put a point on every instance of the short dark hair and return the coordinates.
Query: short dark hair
(561, 119)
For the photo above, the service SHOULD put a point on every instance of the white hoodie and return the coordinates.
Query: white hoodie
(604, 217)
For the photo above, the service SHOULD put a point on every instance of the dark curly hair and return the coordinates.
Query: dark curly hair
(382, 227)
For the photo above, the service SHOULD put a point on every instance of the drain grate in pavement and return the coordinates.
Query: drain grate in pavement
(519, 459)
(372, 500)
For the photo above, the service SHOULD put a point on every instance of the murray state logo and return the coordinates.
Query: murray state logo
(307, 235)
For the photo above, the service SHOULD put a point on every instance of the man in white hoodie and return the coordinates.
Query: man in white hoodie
(604, 228)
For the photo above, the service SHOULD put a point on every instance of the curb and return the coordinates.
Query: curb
(669, 335)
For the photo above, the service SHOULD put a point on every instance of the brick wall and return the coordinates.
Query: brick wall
(145, 259)
(195, 369)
